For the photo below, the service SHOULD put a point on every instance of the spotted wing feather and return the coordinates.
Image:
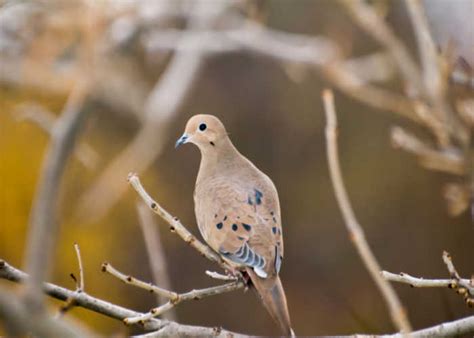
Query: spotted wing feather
(242, 222)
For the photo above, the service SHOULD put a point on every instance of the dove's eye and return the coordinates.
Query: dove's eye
(202, 127)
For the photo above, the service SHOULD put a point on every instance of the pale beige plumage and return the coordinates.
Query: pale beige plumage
(238, 212)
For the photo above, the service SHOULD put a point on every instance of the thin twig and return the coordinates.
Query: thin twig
(397, 312)
(462, 286)
(191, 295)
(81, 270)
(155, 251)
(106, 267)
(174, 298)
(219, 276)
(70, 303)
(175, 224)
(417, 282)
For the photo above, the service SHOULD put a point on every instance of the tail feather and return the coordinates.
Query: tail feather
(273, 297)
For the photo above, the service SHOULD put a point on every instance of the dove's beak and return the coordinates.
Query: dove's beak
(182, 140)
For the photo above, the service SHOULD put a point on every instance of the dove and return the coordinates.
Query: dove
(238, 212)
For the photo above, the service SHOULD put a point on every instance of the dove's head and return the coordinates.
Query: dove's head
(205, 131)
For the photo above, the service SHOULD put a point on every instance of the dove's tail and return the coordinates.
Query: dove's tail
(273, 297)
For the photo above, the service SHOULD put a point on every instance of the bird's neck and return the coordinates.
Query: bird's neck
(218, 159)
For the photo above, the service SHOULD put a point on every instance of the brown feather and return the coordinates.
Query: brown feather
(273, 298)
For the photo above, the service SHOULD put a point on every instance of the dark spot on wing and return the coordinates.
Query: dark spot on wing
(219, 225)
(225, 217)
(234, 227)
(272, 213)
(241, 238)
(247, 227)
(274, 230)
(258, 197)
(249, 200)
(274, 219)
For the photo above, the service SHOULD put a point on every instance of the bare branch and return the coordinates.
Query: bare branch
(81, 270)
(156, 254)
(462, 286)
(397, 312)
(219, 276)
(111, 310)
(350, 76)
(417, 282)
(106, 267)
(166, 328)
(43, 222)
(191, 295)
(464, 326)
(175, 224)
(373, 25)
(70, 303)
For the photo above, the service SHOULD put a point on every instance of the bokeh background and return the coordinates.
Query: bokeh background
(275, 117)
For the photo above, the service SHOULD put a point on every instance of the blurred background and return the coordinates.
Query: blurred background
(275, 117)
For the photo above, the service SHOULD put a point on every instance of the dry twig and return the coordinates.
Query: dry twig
(106, 267)
(70, 303)
(174, 298)
(190, 295)
(463, 286)
(397, 312)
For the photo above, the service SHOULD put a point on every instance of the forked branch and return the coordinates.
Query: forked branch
(463, 286)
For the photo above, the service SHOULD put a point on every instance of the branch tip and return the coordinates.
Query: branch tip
(104, 266)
